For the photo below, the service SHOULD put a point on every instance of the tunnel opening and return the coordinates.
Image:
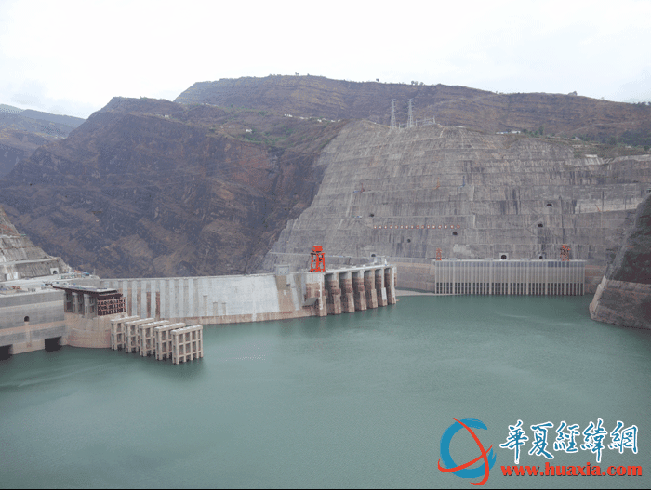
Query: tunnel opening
(408, 240)
(5, 352)
(540, 225)
(549, 204)
(53, 345)
(455, 233)
(26, 319)
(504, 256)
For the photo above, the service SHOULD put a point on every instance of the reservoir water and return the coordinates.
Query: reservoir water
(353, 400)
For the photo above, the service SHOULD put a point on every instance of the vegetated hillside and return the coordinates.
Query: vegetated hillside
(21, 132)
(550, 114)
(156, 188)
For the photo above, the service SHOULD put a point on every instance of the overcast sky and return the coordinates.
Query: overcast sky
(72, 57)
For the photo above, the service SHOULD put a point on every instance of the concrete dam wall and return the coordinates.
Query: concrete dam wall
(403, 194)
(30, 319)
(217, 300)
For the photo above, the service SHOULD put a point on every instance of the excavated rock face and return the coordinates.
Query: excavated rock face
(633, 261)
(154, 188)
(405, 194)
(624, 295)
(19, 258)
(565, 115)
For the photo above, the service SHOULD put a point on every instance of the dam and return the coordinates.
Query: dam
(134, 314)
(219, 300)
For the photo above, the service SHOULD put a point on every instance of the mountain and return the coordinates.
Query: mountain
(208, 184)
(149, 188)
(22, 131)
(551, 114)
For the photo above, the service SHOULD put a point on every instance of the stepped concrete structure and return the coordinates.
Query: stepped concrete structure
(20, 258)
(406, 194)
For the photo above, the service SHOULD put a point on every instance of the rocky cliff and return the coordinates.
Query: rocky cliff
(562, 115)
(155, 188)
(406, 193)
(21, 132)
(624, 295)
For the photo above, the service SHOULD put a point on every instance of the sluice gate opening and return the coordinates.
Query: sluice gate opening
(518, 277)
(53, 344)
(5, 352)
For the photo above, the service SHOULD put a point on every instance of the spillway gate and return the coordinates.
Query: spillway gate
(546, 277)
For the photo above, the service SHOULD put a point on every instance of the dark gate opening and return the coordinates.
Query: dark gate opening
(5, 352)
(53, 345)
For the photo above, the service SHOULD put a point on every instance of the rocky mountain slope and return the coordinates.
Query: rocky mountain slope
(156, 188)
(624, 295)
(22, 131)
(561, 115)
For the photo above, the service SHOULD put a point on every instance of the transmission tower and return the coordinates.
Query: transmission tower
(393, 114)
(410, 121)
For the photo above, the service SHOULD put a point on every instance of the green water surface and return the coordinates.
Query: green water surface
(353, 400)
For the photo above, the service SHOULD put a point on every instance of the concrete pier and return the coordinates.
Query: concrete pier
(359, 291)
(187, 344)
(380, 290)
(146, 334)
(163, 340)
(390, 282)
(333, 300)
(119, 332)
(132, 334)
(346, 286)
(369, 287)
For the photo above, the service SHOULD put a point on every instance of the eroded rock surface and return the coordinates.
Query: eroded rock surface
(624, 295)
(149, 188)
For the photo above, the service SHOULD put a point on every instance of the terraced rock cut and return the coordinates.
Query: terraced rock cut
(406, 194)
